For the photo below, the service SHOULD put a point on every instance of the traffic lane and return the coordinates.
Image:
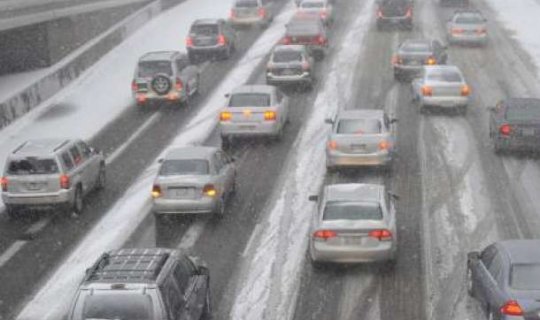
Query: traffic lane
(59, 236)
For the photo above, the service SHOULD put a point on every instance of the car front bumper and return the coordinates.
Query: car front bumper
(202, 205)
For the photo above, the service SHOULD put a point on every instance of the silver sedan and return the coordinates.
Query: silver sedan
(360, 138)
(355, 223)
(193, 180)
(441, 86)
(253, 110)
(467, 27)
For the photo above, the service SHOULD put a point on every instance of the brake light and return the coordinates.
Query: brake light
(286, 40)
(332, 145)
(225, 116)
(324, 234)
(379, 13)
(232, 13)
(156, 191)
(262, 12)
(305, 66)
(457, 30)
(324, 13)
(465, 90)
(134, 86)
(381, 234)
(209, 190)
(189, 42)
(4, 183)
(505, 129)
(64, 182)
(270, 115)
(431, 61)
(512, 308)
(396, 59)
(321, 39)
(481, 30)
(179, 85)
(409, 13)
(384, 145)
(427, 91)
(221, 40)
(141, 98)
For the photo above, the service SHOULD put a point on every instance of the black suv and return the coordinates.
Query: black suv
(153, 284)
(395, 12)
(210, 37)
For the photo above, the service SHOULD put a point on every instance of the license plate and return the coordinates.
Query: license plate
(244, 127)
(183, 192)
(287, 72)
(358, 147)
(352, 240)
(35, 185)
(528, 132)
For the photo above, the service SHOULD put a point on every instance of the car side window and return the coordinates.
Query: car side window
(386, 122)
(218, 163)
(172, 297)
(182, 273)
(85, 149)
(279, 96)
(76, 155)
(67, 161)
(488, 255)
(496, 268)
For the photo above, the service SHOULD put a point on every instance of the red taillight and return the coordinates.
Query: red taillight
(321, 39)
(324, 234)
(156, 191)
(286, 40)
(221, 40)
(396, 60)
(457, 30)
(262, 12)
(179, 85)
(189, 42)
(332, 145)
(381, 234)
(232, 13)
(270, 115)
(324, 13)
(409, 13)
(4, 183)
(209, 190)
(384, 145)
(431, 61)
(134, 86)
(64, 182)
(305, 66)
(512, 308)
(379, 13)
(481, 30)
(141, 98)
(427, 91)
(465, 90)
(505, 129)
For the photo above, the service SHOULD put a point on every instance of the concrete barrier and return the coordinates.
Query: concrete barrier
(75, 64)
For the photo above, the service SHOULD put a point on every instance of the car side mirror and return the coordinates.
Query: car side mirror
(328, 121)
(491, 109)
(394, 196)
(227, 95)
(160, 160)
(393, 120)
(473, 256)
(314, 198)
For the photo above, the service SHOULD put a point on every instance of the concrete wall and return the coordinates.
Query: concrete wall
(22, 102)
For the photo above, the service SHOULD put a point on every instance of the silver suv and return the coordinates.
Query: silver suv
(166, 76)
(150, 284)
(49, 173)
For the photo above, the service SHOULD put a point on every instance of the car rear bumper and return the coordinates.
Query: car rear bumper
(339, 159)
(173, 96)
(249, 129)
(467, 39)
(400, 20)
(45, 200)
(410, 70)
(181, 206)
(517, 143)
(207, 49)
(248, 21)
(275, 79)
(325, 253)
(444, 102)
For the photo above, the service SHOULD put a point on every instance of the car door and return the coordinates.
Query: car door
(496, 116)
(173, 298)
(282, 103)
(92, 164)
(229, 170)
(480, 274)
(187, 73)
(487, 274)
(229, 32)
(80, 173)
(439, 52)
(193, 288)
(220, 177)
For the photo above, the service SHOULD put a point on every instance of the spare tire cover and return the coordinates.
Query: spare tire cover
(161, 84)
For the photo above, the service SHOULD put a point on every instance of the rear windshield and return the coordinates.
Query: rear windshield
(525, 277)
(184, 167)
(246, 4)
(469, 19)
(416, 47)
(359, 126)
(343, 210)
(444, 76)
(205, 29)
(303, 28)
(310, 4)
(523, 112)
(32, 166)
(152, 68)
(250, 100)
(287, 56)
(118, 306)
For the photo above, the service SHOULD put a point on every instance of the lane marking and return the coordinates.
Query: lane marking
(38, 226)
(11, 251)
(251, 240)
(192, 234)
(155, 117)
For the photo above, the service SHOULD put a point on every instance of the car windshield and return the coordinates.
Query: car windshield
(303, 28)
(525, 277)
(311, 4)
(29, 166)
(152, 68)
(444, 76)
(205, 29)
(359, 126)
(416, 47)
(350, 210)
(246, 4)
(469, 19)
(184, 167)
(287, 56)
(118, 307)
(250, 100)
(523, 113)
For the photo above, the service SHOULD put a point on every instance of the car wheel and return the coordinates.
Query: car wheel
(462, 110)
(207, 310)
(198, 88)
(12, 213)
(226, 54)
(78, 202)
(220, 210)
(497, 147)
(102, 178)
(226, 143)
(422, 109)
(489, 313)
(187, 98)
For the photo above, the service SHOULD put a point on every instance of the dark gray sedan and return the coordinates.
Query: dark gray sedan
(505, 279)
(413, 54)
(515, 124)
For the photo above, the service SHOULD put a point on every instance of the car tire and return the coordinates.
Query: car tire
(422, 109)
(226, 55)
(207, 309)
(161, 84)
(498, 148)
(12, 213)
(462, 110)
(220, 210)
(226, 142)
(489, 313)
(102, 178)
(78, 201)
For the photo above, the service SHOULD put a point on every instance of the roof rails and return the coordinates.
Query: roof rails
(60, 145)
(19, 147)
(128, 265)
